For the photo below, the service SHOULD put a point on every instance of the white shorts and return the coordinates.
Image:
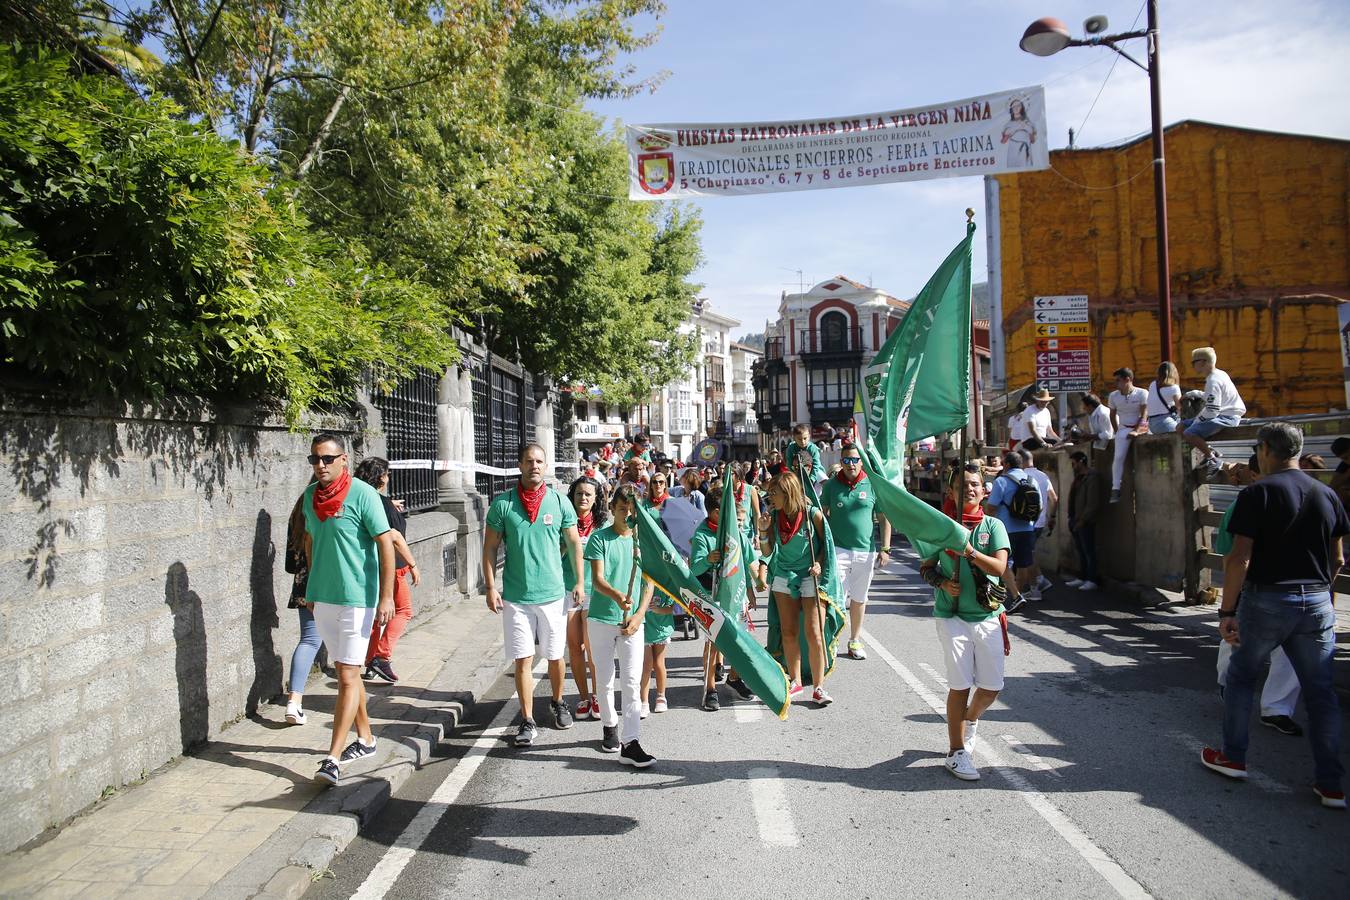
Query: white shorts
(345, 631)
(855, 573)
(973, 652)
(524, 623)
(807, 588)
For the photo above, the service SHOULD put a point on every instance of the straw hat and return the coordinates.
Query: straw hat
(1042, 394)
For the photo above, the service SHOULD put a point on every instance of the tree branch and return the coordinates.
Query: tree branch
(312, 152)
(265, 87)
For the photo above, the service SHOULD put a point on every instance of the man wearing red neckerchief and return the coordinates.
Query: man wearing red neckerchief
(531, 520)
(351, 585)
(850, 505)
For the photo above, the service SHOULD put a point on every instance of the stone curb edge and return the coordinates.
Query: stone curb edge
(331, 821)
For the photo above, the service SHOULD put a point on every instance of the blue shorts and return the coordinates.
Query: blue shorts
(1022, 549)
(1207, 428)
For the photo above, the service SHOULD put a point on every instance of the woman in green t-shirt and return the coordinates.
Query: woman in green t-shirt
(614, 623)
(584, 495)
(966, 611)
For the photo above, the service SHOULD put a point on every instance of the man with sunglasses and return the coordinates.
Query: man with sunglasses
(850, 505)
(351, 586)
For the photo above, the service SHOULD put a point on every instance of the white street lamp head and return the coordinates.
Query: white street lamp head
(1045, 37)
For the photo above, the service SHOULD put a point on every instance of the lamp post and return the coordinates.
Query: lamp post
(1048, 36)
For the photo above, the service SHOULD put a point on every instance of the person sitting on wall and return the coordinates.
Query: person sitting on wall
(1039, 425)
(1223, 409)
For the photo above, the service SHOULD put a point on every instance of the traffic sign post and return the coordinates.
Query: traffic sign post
(1063, 343)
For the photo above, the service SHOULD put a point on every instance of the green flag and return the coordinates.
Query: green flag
(916, 386)
(669, 574)
(729, 586)
(832, 616)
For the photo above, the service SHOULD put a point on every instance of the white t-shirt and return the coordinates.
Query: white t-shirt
(1017, 427)
(1221, 397)
(1099, 423)
(1042, 482)
(1038, 421)
(1159, 398)
(1129, 407)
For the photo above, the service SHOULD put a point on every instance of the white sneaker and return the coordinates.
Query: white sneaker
(968, 731)
(962, 766)
(1088, 586)
(1033, 594)
(294, 714)
(1072, 582)
(646, 710)
(660, 705)
(1044, 583)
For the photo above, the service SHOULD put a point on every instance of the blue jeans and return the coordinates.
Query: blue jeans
(1085, 542)
(1303, 622)
(1207, 428)
(302, 659)
(1162, 424)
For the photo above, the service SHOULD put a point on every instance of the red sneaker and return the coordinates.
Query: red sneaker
(595, 709)
(1331, 799)
(1216, 761)
(794, 689)
(584, 709)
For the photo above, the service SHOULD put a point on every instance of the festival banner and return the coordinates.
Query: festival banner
(989, 135)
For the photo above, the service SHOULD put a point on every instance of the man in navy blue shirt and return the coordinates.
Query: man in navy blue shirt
(1287, 531)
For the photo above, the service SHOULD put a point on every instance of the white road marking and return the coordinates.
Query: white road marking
(772, 813)
(1194, 745)
(1111, 871)
(1035, 761)
(934, 674)
(381, 878)
(749, 713)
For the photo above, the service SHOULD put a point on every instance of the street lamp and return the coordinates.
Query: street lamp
(1048, 36)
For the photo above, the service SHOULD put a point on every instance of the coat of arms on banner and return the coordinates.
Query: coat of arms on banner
(656, 170)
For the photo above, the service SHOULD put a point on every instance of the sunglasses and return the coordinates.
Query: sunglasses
(851, 460)
(328, 460)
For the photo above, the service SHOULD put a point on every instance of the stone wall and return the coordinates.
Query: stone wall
(142, 590)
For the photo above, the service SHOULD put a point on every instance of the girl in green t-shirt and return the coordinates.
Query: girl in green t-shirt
(584, 494)
(614, 624)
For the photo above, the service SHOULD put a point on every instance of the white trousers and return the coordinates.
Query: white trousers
(1279, 696)
(606, 643)
(1122, 440)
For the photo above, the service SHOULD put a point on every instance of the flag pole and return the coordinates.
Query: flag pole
(977, 419)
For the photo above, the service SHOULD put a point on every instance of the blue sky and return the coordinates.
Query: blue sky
(1279, 66)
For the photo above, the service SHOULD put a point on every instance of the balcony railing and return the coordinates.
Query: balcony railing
(830, 340)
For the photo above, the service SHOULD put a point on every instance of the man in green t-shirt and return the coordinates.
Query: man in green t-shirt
(351, 586)
(850, 503)
(531, 520)
(971, 632)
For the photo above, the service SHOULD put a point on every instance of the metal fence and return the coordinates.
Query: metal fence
(502, 419)
(408, 413)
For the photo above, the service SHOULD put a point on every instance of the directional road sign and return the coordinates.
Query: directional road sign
(1074, 301)
(1062, 371)
(1067, 384)
(1045, 344)
(1064, 357)
(1072, 329)
(1060, 315)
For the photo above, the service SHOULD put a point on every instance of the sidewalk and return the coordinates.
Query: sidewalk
(243, 816)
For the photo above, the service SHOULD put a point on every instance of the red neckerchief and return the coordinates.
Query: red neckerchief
(969, 520)
(862, 473)
(786, 532)
(658, 500)
(712, 526)
(531, 500)
(740, 492)
(585, 524)
(328, 500)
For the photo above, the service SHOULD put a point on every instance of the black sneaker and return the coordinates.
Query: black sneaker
(1283, 724)
(1014, 603)
(609, 742)
(719, 673)
(710, 701)
(328, 772)
(562, 714)
(741, 688)
(634, 755)
(526, 734)
(383, 670)
(357, 750)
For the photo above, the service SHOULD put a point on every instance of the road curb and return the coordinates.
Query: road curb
(299, 853)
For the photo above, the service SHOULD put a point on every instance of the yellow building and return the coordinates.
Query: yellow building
(1259, 227)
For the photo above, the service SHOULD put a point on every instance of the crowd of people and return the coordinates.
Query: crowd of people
(570, 585)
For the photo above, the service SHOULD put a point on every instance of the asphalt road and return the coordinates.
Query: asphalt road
(1091, 784)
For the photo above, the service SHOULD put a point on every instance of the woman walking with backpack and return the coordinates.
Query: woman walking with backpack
(1016, 503)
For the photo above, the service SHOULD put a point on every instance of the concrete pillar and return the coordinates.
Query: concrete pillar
(456, 488)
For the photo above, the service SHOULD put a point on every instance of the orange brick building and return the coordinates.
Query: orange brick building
(1259, 227)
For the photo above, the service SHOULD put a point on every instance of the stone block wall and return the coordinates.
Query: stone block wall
(143, 599)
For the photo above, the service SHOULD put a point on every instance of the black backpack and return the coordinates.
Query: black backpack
(1025, 502)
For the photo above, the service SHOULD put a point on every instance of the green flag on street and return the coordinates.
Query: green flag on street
(917, 386)
(832, 615)
(729, 588)
(669, 574)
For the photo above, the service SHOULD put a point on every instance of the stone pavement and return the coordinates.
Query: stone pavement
(243, 817)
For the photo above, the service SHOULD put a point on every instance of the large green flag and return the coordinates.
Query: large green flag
(832, 615)
(729, 586)
(669, 574)
(917, 386)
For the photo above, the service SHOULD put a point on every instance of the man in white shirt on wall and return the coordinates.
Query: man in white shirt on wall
(1099, 425)
(1129, 405)
(1038, 421)
(1017, 427)
(1223, 409)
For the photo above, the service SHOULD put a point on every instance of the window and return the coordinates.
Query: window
(833, 331)
(832, 387)
(603, 412)
(781, 394)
